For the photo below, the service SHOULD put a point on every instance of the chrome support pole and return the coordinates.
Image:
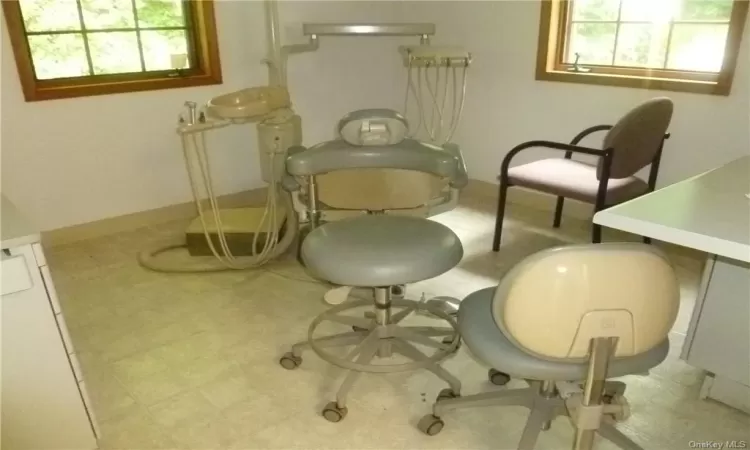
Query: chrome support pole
(601, 350)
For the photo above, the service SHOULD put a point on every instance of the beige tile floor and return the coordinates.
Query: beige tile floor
(190, 361)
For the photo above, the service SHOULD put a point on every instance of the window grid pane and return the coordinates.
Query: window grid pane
(138, 36)
(46, 37)
(107, 14)
(649, 33)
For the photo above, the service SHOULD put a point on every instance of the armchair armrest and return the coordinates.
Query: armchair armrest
(583, 134)
(567, 148)
(580, 136)
(606, 164)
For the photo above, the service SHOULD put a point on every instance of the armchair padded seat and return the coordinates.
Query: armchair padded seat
(489, 344)
(573, 179)
(380, 250)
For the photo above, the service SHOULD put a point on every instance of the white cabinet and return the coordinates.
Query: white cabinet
(719, 337)
(44, 402)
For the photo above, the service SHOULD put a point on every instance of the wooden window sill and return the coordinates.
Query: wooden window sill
(53, 90)
(661, 84)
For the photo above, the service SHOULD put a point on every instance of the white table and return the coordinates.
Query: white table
(45, 403)
(710, 213)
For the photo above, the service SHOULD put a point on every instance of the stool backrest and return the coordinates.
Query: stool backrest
(555, 302)
(638, 136)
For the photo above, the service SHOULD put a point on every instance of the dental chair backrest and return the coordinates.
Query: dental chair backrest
(388, 190)
(369, 141)
(555, 302)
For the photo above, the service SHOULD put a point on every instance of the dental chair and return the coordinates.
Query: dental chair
(348, 193)
(565, 316)
(377, 252)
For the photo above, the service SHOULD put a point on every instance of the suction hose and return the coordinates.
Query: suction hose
(195, 154)
(149, 260)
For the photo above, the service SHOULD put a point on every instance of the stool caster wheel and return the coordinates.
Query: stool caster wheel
(446, 394)
(430, 425)
(333, 413)
(289, 361)
(623, 412)
(498, 378)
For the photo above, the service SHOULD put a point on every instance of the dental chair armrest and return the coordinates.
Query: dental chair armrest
(462, 177)
(288, 182)
(340, 155)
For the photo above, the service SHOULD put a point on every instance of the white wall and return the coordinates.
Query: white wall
(506, 105)
(72, 161)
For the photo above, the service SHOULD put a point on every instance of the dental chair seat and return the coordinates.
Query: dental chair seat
(380, 250)
(492, 347)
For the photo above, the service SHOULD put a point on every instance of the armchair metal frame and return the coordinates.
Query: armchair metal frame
(600, 202)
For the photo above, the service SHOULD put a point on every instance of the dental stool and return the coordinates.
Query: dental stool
(566, 320)
(377, 251)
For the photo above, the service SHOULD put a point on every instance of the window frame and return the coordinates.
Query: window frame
(553, 38)
(204, 55)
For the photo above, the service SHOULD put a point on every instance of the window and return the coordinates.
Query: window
(74, 48)
(678, 45)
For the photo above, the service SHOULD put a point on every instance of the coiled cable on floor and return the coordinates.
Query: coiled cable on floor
(195, 155)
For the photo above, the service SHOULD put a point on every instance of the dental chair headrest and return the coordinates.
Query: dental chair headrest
(373, 127)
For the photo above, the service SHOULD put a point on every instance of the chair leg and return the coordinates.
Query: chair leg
(336, 340)
(558, 212)
(499, 216)
(510, 397)
(411, 352)
(533, 427)
(363, 354)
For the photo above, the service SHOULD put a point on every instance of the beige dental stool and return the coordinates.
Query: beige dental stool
(565, 316)
(376, 251)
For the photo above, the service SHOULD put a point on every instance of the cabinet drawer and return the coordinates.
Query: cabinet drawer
(15, 275)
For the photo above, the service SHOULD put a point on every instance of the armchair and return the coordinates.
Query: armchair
(637, 140)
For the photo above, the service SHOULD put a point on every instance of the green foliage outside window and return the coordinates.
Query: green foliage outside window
(670, 34)
(73, 38)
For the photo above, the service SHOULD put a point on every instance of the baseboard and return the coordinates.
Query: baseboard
(475, 189)
(532, 199)
(573, 208)
(128, 222)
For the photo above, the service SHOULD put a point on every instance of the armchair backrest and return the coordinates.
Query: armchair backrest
(638, 136)
(555, 302)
